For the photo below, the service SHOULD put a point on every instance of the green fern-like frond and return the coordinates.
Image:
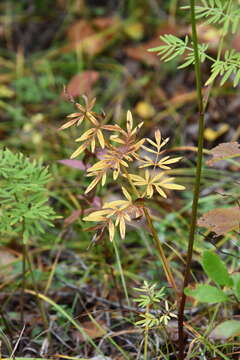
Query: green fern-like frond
(190, 59)
(230, 66)
(173, 47)
(23, 195)
(215, 12)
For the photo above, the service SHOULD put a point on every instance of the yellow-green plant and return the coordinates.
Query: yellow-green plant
(24, 205)
(150, 300)
(137, 163)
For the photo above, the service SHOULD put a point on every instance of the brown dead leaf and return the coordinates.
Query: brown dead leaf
(93, 330)
(83, 35)
(221, 220)
(82, 83)
(224, 151)
(183, 98)
(105, 22)
(141, 53)
(79, 31)
(75, 215)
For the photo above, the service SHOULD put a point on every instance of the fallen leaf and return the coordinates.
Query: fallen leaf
(80, 30)
(105, 22)
(93, 330)
(212, 135)
(76, 164)
(82, 83)
(140, 53)
(221, 220)
(73, 217)
(224, 151)
(144, 109)
(83, 36)
(134, 30)
(183, 98)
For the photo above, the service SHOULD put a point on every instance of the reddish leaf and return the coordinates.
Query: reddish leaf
(220, 220)
(140, 52)
(73, 217)
(80, 30)
(82, 83)
(83, 37)
(224, 151)
(76, 164)
(105, 22)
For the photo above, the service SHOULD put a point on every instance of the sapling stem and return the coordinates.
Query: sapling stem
(23, 287)
(34, 283)
(154, 234)
(193, 221)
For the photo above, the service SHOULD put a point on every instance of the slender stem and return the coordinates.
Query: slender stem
(145, 356)
(40, 303)
(161, 254)
(23, 285)
(121, 272)
(197, 182)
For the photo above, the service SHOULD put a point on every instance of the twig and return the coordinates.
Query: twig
(197, 183)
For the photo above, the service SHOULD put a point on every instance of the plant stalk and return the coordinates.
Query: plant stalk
(193, 222)
(154, 234)
(23, 287)
(34, 283)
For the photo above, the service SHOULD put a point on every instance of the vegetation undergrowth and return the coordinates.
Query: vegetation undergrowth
(148, 293)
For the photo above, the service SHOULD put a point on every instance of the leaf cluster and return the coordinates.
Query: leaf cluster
(217, 271)
(23, 195)
(216, 11)
(119, 149)
(148, 299)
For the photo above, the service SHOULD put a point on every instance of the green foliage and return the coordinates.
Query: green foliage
(216, 11)
(150, 299)
(175, 47)
(23, 195)
(31, 90)
(230, 66)
(151, 295)
(236, 285)
(215, 268)
(207, 293)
